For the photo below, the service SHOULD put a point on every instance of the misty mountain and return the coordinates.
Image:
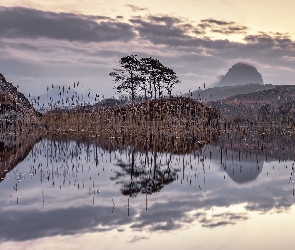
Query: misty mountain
(241, 78)
(239, 74)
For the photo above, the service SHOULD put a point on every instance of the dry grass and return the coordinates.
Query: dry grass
(165, 123)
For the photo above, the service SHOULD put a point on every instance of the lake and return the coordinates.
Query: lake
(73, 194)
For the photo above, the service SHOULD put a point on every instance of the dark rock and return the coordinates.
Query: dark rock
(2, 79)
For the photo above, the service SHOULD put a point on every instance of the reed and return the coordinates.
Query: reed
(173, 118)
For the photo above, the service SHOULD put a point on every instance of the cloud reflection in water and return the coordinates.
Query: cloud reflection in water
(197, 191)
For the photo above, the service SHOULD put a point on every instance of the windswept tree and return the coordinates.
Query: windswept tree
(170, 79)
(147, 75)
(128, 76)
(152, 70)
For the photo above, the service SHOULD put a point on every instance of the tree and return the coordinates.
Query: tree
(152, 69)
(170, 79)
(147, 75)
(128, 77)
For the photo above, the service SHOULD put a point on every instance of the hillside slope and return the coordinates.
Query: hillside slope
(16, 112)
(276, 104)
(220, 93)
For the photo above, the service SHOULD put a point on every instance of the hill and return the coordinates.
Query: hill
(276, 104)
(239, 74)
(220, 93)
(16, 112)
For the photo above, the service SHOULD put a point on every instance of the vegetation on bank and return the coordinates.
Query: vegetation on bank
(171, 119)
(157, 120)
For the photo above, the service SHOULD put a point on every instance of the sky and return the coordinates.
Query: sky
(62, 42)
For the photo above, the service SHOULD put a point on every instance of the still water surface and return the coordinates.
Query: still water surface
(73, 195)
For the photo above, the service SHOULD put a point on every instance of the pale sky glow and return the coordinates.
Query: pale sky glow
(65, 41)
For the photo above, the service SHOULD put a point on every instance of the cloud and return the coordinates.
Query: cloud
(90, 46)
(217, 22)
(279, 41)
(135, 8)
(175, 208)
(58, 222)
(177, 32)
(18, 22)
(222, 219)
(223, 27)
(160, 218)
(156, 27)
(138, 238)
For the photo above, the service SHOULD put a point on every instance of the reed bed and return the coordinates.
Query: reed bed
(173, 125)
(166, 122)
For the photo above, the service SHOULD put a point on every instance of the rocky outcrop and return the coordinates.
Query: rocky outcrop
(239, 74)
(17, 115)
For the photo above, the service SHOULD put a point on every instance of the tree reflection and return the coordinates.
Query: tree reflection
(147, 173)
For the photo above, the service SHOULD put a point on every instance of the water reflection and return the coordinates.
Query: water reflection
(242, 167)
(148, 173)
(13, 150)
(64, 186)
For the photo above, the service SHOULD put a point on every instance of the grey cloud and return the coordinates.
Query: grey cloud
(135, 8)
(50, 68)
(165, 30)
(58, 222)
(270, 40)
(264, 49)
(57, 48)
(168, 20)
(218, 220)
(21, 22)
(167, 225)
(175, 32)
(187, 49)
(218, 224)
(147, 28)
(218, 22)
(160, 218)
(262, 39)
(138, 238)
(222, 27)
